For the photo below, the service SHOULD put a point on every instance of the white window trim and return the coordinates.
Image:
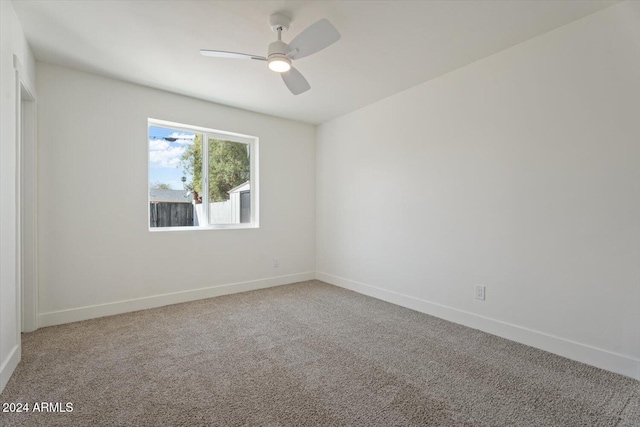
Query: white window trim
(253, 143)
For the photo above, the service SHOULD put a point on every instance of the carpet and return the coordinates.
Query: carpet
(307, 354)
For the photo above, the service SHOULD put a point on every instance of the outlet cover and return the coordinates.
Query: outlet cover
(480, 292)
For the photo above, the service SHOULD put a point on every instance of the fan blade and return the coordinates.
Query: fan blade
(295, 81)
(223, 54)
(315, 38)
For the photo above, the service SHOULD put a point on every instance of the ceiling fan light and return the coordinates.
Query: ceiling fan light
(280, 64)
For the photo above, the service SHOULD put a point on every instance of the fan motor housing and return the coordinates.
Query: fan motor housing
(278, 47)
(277, 58)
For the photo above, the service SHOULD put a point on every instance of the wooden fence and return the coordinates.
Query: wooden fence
(171, 214)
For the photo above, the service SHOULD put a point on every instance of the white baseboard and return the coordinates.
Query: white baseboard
(593, 356)
(8, 366)
(101, 310)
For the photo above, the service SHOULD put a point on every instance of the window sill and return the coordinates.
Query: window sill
(205, 228)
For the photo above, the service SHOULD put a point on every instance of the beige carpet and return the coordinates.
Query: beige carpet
(303, 355)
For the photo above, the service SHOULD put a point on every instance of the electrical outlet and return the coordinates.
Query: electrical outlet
(276, 263)
(480, 292)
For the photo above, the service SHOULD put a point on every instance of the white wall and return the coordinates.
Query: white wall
(96, 255)
(520, 172)
(13, 43)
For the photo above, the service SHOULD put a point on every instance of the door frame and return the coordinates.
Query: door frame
(26, 203)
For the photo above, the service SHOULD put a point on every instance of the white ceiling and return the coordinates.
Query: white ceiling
(386, 46)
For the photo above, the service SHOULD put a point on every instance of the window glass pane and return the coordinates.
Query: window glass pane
(200, 178)
(175, 167)
(229, 184)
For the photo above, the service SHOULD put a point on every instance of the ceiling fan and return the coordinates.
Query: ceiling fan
(280, 54)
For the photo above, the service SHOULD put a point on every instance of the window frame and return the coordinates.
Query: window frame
(252, 141)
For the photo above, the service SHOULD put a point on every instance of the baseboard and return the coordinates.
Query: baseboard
(593, 356)
(101, 310)
(8, 366)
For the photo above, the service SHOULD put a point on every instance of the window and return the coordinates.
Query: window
(201, 178)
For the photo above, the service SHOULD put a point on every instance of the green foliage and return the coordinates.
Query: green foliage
(191, 162)
(228, 167)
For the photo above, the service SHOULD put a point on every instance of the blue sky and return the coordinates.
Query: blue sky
(164, 156)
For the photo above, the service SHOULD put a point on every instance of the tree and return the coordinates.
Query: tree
(228, 166)
(160, 186)
(191, 162)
